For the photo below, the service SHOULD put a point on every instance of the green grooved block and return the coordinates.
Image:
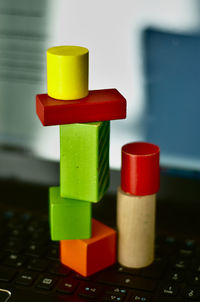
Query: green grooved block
(69, 218)
(84, 160)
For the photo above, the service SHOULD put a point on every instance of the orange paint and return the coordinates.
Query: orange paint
(89, 256)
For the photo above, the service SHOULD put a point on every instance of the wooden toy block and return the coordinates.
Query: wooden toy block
(69, 219)
(90, 255)
(84, 160)
(136, 229)
(99, 105)
(140, 173)
(67, 72)
(136, 202)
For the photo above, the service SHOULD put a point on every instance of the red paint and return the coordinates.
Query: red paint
(99, 105)
(140, 172)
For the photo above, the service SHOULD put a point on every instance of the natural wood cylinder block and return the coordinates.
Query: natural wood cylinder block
(136, 229)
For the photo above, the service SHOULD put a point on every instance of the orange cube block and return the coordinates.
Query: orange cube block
(88, 256)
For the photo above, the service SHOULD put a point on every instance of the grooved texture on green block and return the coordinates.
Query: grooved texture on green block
(84, 160)
(69, 218)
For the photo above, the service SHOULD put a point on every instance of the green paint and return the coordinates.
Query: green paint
(84, 160)
(69, 218)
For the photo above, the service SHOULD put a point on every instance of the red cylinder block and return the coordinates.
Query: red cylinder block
(140, 172)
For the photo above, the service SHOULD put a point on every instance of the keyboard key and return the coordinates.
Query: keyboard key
(193, 279)
(185, 253)
(87, 290)
(176, 276)
(37, 264)
(35, 250)
(169, 289)
(33, 226)
(114, 294)
(170, 240)
(53, 252)
(39, 238)
(7, 274)
(191, 293)
(26, 216)
(15, 260)
(59, 269)
(166, 246)
(38, 226)
(46, 283)
(67, 286)
(186, 249)
(15, 223)
(13, 246)
(17, 232)
(162, 298)
(25, 278)
(180, 264)
(8, 214)
(129, 281)
(117, 290)
(196, 267)
(140, 297)
(113, 297)
(189, 244)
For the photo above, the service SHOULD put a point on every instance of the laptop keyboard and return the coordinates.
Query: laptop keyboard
(30, 260)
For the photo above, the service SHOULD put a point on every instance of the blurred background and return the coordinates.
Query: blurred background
(148, 50)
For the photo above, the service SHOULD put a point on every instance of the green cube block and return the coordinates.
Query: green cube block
(69, 219)
(84, 160)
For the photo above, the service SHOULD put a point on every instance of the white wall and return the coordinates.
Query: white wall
(111, 29)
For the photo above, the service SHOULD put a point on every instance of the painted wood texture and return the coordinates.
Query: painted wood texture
(67, 72)
(69, 219)
(84, 160)
(91, 255)
(99, 105)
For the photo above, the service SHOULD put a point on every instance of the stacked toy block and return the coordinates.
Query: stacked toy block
(86, 245)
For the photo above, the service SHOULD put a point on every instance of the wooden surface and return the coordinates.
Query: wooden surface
(136, 229)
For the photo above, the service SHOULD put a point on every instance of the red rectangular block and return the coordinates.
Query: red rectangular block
(88, 256)
(99, 105)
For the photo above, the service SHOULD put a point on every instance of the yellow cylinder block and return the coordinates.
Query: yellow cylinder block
(67, 72)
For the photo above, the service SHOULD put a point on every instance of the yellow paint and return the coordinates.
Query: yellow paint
(67, 72)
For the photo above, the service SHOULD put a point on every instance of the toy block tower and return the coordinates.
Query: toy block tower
(84, 118)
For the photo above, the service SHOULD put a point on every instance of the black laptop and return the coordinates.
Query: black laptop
(29, 261)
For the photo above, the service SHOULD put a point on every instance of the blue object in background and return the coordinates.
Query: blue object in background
(172, 116)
